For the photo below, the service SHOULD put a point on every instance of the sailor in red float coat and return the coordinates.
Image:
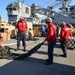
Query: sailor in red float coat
(21, 35)
(51, 39)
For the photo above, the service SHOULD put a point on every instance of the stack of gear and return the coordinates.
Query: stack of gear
(5, 52)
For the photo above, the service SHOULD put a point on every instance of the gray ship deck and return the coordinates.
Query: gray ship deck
(34, 65)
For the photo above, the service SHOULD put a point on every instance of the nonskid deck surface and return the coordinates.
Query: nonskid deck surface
(34, 64)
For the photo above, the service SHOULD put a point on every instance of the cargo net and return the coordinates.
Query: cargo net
(71, 43)
(5, 52)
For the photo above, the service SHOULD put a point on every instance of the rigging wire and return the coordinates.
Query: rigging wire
(46, 2)
(51, 3)
(57, 4)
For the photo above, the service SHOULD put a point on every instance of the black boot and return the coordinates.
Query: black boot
(17, 48)
(48, 62)
(64, 55)
(24, 49)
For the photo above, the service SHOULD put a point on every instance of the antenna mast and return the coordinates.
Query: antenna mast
(65, 7)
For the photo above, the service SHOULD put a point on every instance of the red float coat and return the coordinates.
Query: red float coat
(51, 33)
(65, 33)
(21, 26)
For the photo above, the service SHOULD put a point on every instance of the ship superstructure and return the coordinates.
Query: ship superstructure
(34, 13)
(16, 10)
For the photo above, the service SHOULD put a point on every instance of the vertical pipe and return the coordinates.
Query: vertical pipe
(23, 1)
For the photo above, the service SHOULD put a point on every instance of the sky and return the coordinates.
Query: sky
(42, 3)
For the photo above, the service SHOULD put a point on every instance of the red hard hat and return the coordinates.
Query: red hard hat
(62, 23)
(48, 19)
